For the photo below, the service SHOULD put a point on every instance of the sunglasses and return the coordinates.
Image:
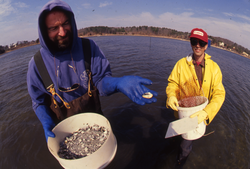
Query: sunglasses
(69, 89)
(194, 42)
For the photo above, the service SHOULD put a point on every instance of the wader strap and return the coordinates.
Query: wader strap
(87, 60)
(87, 53)
(47, 82)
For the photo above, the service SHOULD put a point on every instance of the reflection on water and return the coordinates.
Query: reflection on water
(139, 130)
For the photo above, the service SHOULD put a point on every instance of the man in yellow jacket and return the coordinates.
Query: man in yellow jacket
(205, 75)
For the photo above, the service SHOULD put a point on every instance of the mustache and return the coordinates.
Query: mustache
(67, 35)
(62, 37)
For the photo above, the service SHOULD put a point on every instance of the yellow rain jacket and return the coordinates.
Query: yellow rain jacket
(212, 82)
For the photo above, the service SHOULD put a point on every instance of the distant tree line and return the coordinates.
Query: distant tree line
(2, 50)
(17, 45)
(157, 31)
(140, 30)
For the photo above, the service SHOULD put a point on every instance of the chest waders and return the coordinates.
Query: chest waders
(89, 102)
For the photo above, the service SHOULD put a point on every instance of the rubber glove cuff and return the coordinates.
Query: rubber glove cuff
(43, 114)
(201, 115)
(131, 86)
(172, 102)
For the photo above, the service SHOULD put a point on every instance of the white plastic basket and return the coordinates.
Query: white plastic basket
(100, 158)
(186, 112)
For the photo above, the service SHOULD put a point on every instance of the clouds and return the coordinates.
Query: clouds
(21, 32)
(21, 5)
(230, 29)
(16, 24)
(5, 8)
(86, 5)
(227, 14)
(101, 5)
(23, 27)
(229, 25)
(105, 4)
(244, 17)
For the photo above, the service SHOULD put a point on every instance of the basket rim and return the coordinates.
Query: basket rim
(187, 108)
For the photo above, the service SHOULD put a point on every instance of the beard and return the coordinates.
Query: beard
(62, 42)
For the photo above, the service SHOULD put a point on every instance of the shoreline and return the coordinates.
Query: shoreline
(96, 35)
(162, 37)
(18, 48)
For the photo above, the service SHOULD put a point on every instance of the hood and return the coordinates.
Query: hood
(43, 37)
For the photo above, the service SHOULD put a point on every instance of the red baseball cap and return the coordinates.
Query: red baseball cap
(199, 34)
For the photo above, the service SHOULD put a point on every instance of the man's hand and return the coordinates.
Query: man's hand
(201, 115)
(43, 114)
(131, 86)
(173, 103)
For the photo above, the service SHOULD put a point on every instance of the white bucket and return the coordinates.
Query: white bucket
(186, 112)
(100, 158)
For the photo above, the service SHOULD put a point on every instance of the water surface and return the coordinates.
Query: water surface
(139, 130)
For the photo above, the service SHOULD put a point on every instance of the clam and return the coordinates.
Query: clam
(147, 95)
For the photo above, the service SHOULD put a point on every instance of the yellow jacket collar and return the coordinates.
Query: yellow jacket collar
(207, 56)
(189, 58)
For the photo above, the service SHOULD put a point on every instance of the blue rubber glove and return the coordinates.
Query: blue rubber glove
(131, 86)
(43, 114)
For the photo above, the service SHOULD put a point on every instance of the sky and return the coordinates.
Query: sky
(228, 19)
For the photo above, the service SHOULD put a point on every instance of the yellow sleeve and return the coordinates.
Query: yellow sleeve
(173, 82)
(216, 96)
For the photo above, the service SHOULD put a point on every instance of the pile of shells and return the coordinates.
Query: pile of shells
(192, 101)
(83, 142)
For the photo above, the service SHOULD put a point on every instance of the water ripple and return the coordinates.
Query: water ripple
(139, 129)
